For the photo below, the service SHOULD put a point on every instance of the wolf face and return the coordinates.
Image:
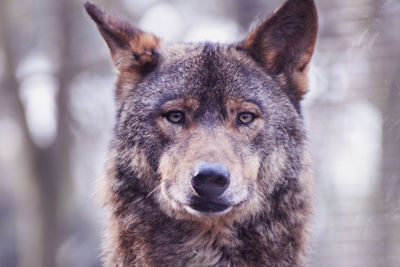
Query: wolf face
(211, 132)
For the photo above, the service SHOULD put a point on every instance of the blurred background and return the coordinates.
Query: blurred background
(57, 110)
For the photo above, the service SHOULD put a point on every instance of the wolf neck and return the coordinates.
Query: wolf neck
(158, 240)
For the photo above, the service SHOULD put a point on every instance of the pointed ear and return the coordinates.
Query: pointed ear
(131, 49)
(284, 42)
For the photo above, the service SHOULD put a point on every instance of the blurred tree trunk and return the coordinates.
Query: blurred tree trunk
(39, 198)
(53, 163)
(390, 176)
(387, 97)
(29, 212)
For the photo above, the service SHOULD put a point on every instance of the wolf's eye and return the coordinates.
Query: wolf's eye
(175, 116)
(246, 117)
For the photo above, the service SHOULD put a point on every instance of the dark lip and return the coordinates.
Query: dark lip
(209, 206)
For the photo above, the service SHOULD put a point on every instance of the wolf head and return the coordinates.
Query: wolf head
(207, 131)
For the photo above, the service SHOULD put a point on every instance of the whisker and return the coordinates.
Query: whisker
(153, 191)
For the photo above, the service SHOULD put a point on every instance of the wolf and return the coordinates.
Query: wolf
(208, 164)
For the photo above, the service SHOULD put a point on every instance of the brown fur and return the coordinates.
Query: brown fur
(132, 50)
(148, 183)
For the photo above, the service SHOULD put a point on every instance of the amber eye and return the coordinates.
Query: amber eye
(246, 117)
(175, 116)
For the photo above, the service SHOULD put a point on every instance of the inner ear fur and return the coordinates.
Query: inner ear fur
(134, 52)
(285, 41)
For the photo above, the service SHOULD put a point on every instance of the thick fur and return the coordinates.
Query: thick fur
(151, 161)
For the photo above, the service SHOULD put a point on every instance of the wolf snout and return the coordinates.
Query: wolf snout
(210, 180)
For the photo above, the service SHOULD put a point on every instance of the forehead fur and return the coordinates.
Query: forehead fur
(206, 72)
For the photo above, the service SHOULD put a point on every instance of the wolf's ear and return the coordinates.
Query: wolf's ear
(131, 49)
(285, 41)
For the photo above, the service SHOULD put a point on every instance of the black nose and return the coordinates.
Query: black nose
(211, 180)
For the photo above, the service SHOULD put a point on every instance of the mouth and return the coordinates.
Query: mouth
(209, 206)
